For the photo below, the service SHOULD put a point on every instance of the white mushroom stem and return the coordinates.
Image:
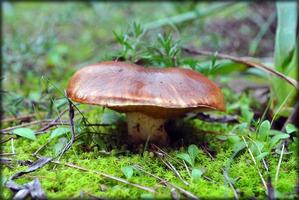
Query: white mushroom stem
(142, 127)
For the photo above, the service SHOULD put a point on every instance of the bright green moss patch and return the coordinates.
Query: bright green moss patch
(59, 181)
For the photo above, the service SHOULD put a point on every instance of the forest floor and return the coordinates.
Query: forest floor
(241, 153)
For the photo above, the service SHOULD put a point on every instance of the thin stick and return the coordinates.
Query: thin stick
(293, 117)
(20, 118)
(281, 106)
(68, 124)
(12, 147)
(279, 162)
(251, 63)
(105, 175)
(160, 151)
(207, 152)
(71, 117)
(185, 192)
(252, 157)
(7, 154)
(171, 167)
(258, 148)
(54, 121)
(23, 125)
(51, 124)
(40, 148)
(85, 119)
(64, 123)
(187, 169)
(187, 16)
(3, 141)
(230, 184)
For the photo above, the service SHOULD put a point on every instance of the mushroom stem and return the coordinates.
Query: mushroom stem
(142, 127)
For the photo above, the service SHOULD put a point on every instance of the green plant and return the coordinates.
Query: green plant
(164, 52)
(130, 42)
(127, 171)
(285, 54)
(59, 132)
(190, 158)
(266, 140)
(56, 48)
(25, 132)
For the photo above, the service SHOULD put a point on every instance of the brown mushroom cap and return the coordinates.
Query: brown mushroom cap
(160, 93)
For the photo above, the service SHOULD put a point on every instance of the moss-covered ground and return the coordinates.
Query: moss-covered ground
(60, 181)
(45, 43)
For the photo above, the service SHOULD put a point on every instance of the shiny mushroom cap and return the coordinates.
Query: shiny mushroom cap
(159, 93)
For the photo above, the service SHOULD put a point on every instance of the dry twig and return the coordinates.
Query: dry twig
(185, 192)
(162, 153)
(230, 184)
(20, 118)
(24, 125)
(172, 168)
(53, 122)
(247, 62)
(71, 117)
(279, 162)
(254, 161)
(104, 175)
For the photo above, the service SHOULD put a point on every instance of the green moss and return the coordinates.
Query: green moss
(58, 54)
(59, 181)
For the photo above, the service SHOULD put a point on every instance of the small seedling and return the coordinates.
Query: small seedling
(147, 196)
(25, 132)
(290, 128)
(59, 132)
(60, 145)
(196, 174)
(127, 171)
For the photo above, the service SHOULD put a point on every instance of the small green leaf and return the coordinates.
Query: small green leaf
(60, 145)
(285, 152)
(186, 158)
(193, 151)
(276, 132)
(147, 196)
(261, 156)
(290, 128)
(242, 126)
(58, 132)
(234, 139)
(60, 103)
(285, 38)
(239, 146)
(119, 37)
(3, 180)
(264, 129)
(246, 114)
(25, 132)
(256, 147)
(196, 174)
(128, 171)
(213, 62)
(137, 29)
(221, 137)
(259, 145)
(278, 137)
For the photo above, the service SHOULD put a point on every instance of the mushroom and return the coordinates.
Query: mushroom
(149, 96)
